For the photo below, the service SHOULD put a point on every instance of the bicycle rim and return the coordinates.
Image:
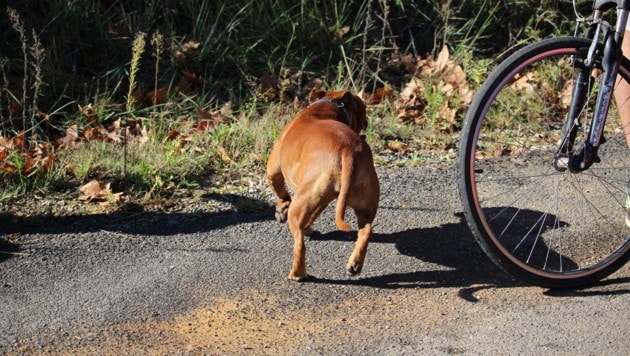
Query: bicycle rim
(548, 227)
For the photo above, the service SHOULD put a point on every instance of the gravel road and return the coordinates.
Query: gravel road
(215, 283)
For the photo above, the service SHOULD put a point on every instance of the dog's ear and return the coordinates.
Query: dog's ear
(347, 97)
(316, 94)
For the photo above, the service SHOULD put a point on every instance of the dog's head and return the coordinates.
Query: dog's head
(350, 105)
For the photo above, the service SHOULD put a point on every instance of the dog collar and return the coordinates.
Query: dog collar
(339, 105)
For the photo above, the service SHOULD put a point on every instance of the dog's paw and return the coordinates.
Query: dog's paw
(354, 269)
(297, 278)
(281, 213)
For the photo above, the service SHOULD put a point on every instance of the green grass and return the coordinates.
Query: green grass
(59, 58)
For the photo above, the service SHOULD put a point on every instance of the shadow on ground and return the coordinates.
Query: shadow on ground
(7, 249)
(451, 246)
(460, 261)
(135, 219)
(463, 264)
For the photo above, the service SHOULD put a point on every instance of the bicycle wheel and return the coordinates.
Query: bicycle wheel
(549, 227)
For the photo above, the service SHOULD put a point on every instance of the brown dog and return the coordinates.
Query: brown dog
(321, 156)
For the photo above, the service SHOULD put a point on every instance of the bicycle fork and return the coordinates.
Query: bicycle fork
(584, 158)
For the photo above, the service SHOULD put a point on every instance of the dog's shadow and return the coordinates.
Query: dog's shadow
(451, 246)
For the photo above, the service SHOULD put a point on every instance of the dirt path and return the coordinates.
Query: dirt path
(216, 284)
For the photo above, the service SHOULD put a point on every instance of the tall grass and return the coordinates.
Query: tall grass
(87, 42)
(61, 55)
(32, 56)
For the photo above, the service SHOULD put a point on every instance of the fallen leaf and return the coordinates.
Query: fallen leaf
(29, 165)
(524, 82)
(136, 133)
(95, 191)
(71, 168)
(71, 139)
(47, 162)
(95, 134)
(409, 62)
(207, 120)
(442, 59)
(397, 146)
(42, 115)
(184, 139)
(226, 109)
(157, 96)
(204, 125)
(8, 167)
(19, 143)
(315, 83)
(269, 85)
(377, 97)
(566, 94)
(185, 49)
(455, 75)
(343, 31)
(88, 112)
(192, 78)
(224, 155)
(411, 89)
(172, 134)
(114, 132)
(188, 80)
(7, 142)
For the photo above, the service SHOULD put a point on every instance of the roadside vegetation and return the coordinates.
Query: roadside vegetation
(103, 99)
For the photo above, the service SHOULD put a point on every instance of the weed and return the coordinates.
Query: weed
(136, 53)
(157, 41)
(32, 58)
(17, 25)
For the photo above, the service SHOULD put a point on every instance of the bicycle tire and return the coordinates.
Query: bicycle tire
(550, 228)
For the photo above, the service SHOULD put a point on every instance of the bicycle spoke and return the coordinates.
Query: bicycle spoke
(532, 216)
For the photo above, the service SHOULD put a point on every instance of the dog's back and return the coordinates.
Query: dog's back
(321, 156)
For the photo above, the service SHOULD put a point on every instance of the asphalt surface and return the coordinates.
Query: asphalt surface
(216, 283)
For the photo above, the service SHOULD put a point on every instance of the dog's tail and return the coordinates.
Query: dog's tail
(344, 188)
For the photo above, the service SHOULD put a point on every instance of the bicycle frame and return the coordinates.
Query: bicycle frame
(611, 58)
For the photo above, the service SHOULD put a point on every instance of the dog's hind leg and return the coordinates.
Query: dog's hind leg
(298, 219)
(303, 210)
(308, 230)
(355, 262)
(283, 199)
(275, 179)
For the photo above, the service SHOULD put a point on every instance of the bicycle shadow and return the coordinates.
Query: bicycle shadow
(463, 264)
